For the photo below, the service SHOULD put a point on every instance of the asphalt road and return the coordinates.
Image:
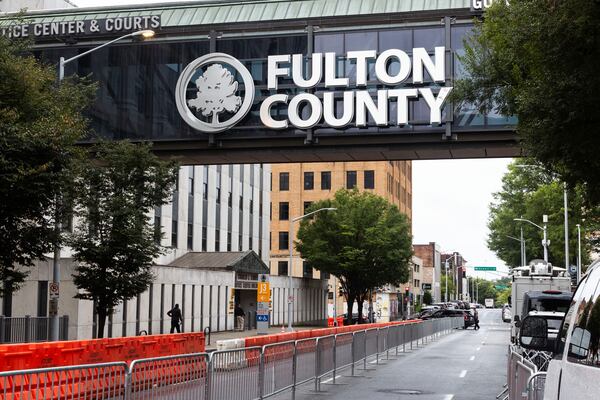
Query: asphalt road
(465, 365)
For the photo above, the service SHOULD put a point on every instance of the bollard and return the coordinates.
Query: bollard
(207, 334)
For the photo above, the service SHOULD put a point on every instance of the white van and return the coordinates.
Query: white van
(574, 371)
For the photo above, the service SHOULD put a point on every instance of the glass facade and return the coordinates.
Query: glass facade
(136, 94)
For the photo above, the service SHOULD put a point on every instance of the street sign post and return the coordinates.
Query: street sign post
(485, 268)
(263, 300)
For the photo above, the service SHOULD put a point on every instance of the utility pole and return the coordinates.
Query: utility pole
(566, 226)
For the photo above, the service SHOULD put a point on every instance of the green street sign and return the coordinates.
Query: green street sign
(485, 268)
(501, 287)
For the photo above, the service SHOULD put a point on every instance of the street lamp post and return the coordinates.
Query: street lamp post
(578, 252)
(446, 268)
(566, 226)
(291, 246)
(54, 332)
(543, 228)
(522, 243)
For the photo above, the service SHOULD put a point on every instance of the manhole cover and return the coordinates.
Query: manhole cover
(402, 391)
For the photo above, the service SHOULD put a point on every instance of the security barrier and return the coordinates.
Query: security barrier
(80, 352)
(249, 373)
(524, 381)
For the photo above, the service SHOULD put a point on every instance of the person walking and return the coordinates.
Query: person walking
(239, 317)
(176, 319)
(476, 318)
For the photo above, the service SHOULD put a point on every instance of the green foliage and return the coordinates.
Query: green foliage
(486, 290)
(502, 296)
(366, 242)
(116, 241)
(40, 122)
(427, 298)
(451, 286)
(529, 192)
(539, 60)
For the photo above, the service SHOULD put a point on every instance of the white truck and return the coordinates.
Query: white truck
(538, 276)
(489, 303)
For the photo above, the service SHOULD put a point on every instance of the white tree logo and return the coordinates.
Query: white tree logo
(216, 93)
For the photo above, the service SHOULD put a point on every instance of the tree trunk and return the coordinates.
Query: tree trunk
(350, 303)
(359, 303)
(102, 314)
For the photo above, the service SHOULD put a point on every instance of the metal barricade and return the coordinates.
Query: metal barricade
(536, 385)
(382, 344)
(236, 374)
(94, 381)
(325, 358)
(172, 377)
(343, 351)
(278, 367)
(359, 348)
(522, 375)
(371, 342)
(306, 361)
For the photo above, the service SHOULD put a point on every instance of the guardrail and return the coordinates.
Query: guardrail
(249, 373)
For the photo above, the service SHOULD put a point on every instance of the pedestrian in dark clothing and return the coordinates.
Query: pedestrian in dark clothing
(176, 319)
(476, 318)
(239, 318)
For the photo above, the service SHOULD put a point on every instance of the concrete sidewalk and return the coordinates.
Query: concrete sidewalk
(214, 337)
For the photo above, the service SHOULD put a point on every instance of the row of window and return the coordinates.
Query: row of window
(284, 209)
(309, 180)
(307, 270)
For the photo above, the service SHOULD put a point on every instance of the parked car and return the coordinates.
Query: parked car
(468, 318)
(551, 304)
(574, 371)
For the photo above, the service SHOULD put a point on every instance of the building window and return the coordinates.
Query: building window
(190, 236)
(282, 268)
(284, 211)
(369, 179)
(284, 240)
(174, 234)
(191, 185)
(307, 271)
(217, 240)
(203, 238)
(309, 180)
(228, 241)
(218, 195)
(326, 180)
(307, 205)
(350, 179)
(284, 181)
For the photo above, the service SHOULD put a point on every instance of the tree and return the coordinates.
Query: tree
(451, 286)
(216, 93)
(538, 60)
(485, 290)
(40, 123)
(427, 299)
(116, 241)
(529, 192)
(366, 243)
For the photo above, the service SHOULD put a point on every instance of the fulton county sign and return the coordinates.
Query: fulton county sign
(346, 101)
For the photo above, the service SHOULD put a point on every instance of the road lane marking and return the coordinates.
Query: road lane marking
(448, 397)
(479, 348)
(330, 379)
(463, 373)
(472, 358)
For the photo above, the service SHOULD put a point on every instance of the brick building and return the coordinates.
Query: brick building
(431, 268)
(294, 187)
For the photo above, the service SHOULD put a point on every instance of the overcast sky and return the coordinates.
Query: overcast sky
(450, 197)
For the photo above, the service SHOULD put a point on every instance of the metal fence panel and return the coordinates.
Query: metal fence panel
(343, 350)
(382, 344)
(97, 381)
(306, 350)
(325, 355)
(536, 385)
(371, 342)
(278, 367)
(235, 374)
(30, 329)
(172, 377)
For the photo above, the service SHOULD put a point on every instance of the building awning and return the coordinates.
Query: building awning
(236, 261)
(217, 12)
